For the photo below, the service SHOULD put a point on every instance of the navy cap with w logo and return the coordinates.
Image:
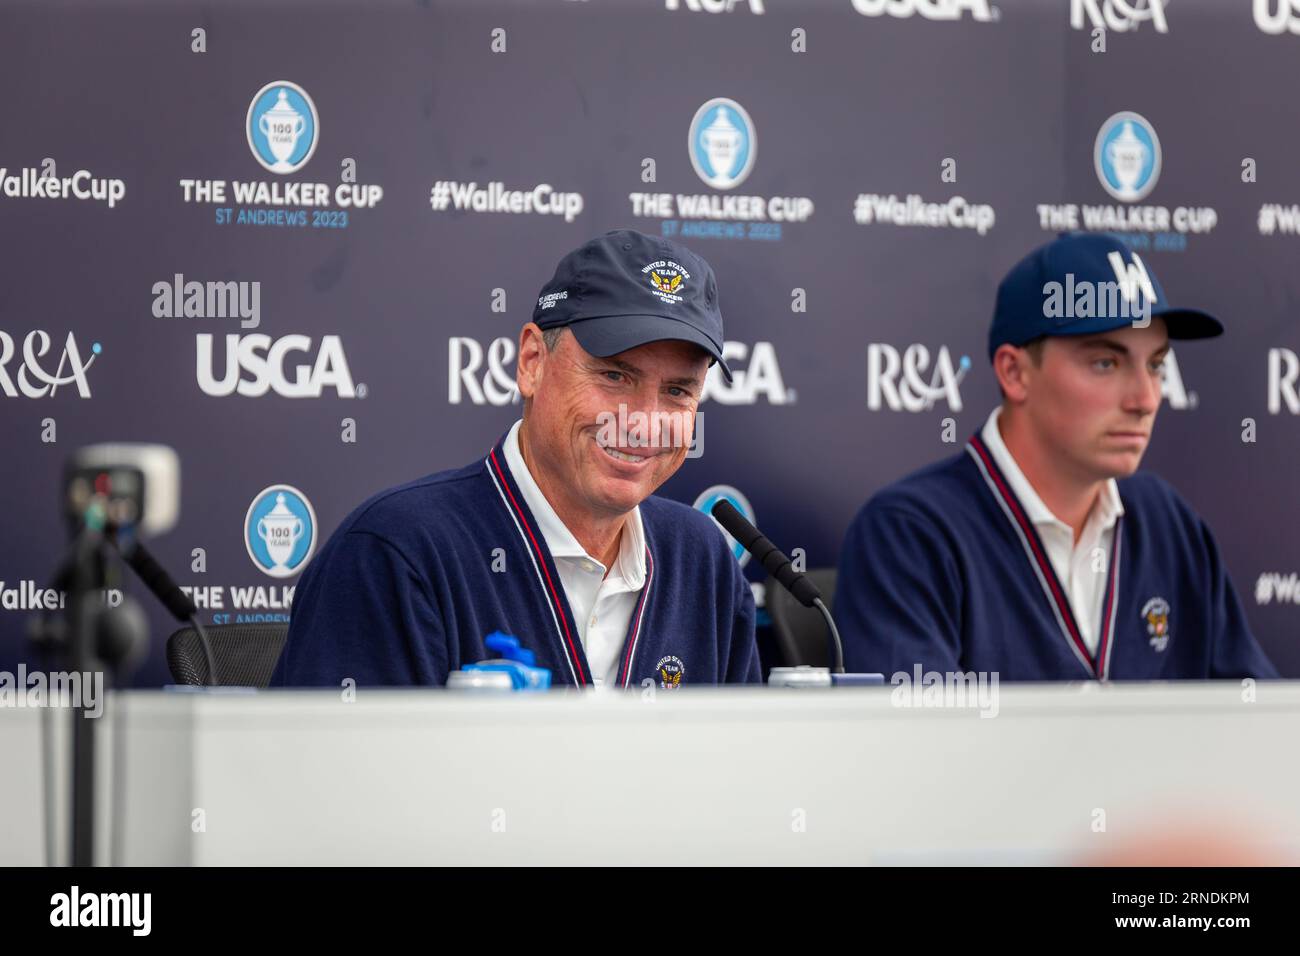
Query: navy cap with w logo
(1085, 283)
(625, 289)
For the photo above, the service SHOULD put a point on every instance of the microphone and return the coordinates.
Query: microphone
(157, 580)
(779, 566)
(161, 585)
(765, 552)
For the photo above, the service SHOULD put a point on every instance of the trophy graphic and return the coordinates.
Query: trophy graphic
(1127, 155)
(280, 530)
(722, 142)
(282, 125)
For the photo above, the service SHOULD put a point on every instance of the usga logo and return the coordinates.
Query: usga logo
(760, 378)
(34, 381)
(722, 143)
(929, 9)
(280, 530)
(914, 393)
(256, 364)
(282, 127)
(1126, 156)
(710, 497)
(1118, 15)
(1277, 16)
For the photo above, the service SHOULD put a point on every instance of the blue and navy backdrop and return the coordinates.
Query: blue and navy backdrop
(296, 242)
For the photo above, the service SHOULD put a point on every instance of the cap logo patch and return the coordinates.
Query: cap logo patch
(671, 670)
(1155, 613)
(1131, 277)
(666, 278)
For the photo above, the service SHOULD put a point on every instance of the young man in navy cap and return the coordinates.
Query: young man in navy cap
(1039, 552)
(554, 536)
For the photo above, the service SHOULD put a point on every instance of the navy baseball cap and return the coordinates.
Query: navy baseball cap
(625, 289)
(1024, 308)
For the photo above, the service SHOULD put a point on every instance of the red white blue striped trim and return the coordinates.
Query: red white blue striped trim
(539, 567)
(1042, 567)
(636, 619)
(1109, 603)
(559, 616)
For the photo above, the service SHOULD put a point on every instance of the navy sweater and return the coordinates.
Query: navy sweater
(944, 569)
(408, 587)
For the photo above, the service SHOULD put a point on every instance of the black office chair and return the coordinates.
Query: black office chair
(800, 631)
(245, 654)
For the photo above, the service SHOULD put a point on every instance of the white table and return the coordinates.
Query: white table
(690, 776)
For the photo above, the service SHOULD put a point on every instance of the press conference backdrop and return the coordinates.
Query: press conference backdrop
(297, 241)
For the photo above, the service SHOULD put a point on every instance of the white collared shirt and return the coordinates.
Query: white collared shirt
(602, 603)
(1073, 562)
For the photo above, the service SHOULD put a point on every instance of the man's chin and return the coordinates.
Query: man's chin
(619, 495)
(1118, 464)
(616, 507)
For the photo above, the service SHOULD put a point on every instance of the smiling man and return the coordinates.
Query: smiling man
(555, 535)
(1040, 552)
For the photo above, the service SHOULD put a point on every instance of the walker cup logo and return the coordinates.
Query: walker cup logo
(1127, 156)
(280, 530)
(282, 127)
(710, 497)
(34, 380)
(722, 143)
(1156, 615)
(670, 671)
(666, 278)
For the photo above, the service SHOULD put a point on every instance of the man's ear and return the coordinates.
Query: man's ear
(532, 359)
(1013, 367)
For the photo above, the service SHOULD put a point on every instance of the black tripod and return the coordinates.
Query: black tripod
(90, 638)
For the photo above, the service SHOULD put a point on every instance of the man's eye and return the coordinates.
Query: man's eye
(1104, 363)
(614, 376)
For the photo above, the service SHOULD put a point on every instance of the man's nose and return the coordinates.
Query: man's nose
(1144, 392)
(666, 424)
